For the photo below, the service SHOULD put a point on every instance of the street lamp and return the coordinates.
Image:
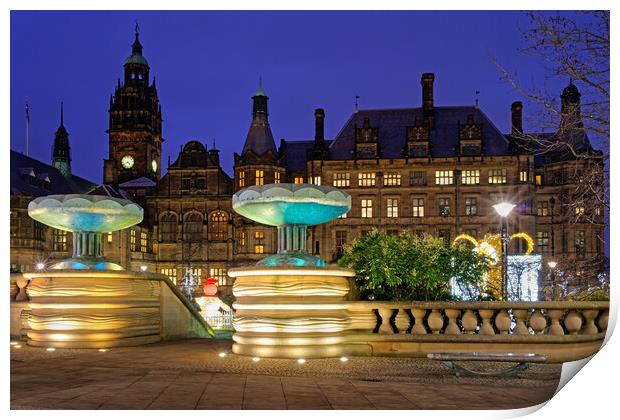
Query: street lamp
(143, 268)
(552, 265)
(504, 209)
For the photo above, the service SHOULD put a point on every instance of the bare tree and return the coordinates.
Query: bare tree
(574, 46)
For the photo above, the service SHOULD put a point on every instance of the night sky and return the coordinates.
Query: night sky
(207, 66)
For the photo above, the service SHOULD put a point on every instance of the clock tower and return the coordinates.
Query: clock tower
(134, 133)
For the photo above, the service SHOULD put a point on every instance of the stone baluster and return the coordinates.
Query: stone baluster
(486, 328)
(469, 321)
(385, 327)
(602, 320)
(589, 315)
(538, 322)
(555, 315)
(21, 284)
(453, 328)
(402, 320)
(435, 321)
(520, 318)
(573, 322)
(503, 321)
(418, 316)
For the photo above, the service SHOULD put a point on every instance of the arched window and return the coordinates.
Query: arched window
(168, 227)
(218, 228)
(192, 227)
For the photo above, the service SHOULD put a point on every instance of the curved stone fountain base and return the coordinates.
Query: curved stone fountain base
(290, 312)
(103, 309)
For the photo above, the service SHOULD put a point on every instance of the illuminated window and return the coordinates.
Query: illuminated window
(260, 177)
(316, 180)
(366, 179)
(417, 207)
(470, 177)
(497, 176)
(417, 178)
(259, 242)
(242, 238)
(580, 210)
(471, 207)
(277, 177)
(341, 241)
(299, 180)
(542, 241)
(391, 179)
(59, 240)
(171, 273)
(444, 177)
(342, 179)
(392, 207)
(218, 225)
(542, 208)
(168, 227)
(221, 274)
(133, 245)
(192, 227)
(443, 206)
(580, 243)
(523, 176)
(241, 178)
(598, 211)
(109, 236)
(538, 179)
(366, 208)
(144, 241)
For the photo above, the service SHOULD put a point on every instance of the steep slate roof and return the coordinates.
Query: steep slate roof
(295, 153)
(30, 177)
(260, 138)
(392, 131)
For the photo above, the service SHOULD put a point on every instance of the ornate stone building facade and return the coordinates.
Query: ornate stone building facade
(428, 169)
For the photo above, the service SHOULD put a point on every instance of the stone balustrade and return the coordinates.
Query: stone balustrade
(562, 331)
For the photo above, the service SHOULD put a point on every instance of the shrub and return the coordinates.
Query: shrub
(408, 267)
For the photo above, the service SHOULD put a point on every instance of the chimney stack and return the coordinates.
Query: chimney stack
(319, 124)
(517, 118)
(427, 98)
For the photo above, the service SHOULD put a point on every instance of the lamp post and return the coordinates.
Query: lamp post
(552, 265)
(504, 209)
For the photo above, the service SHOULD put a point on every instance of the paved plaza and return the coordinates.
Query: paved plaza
(189, 374)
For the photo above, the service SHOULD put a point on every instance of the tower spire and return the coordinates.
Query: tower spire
(61, 152)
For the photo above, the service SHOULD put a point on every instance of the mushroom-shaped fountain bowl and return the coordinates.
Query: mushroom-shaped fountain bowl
(87, 216)
(292, 208)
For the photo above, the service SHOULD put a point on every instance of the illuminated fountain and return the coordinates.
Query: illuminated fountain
(290, 304)
(87, 216)
(89, 302)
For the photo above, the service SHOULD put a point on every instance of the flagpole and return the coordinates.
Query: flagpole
(27, 124)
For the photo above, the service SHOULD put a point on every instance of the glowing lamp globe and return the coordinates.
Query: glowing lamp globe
(87, 216)
(292, 208)
(503, 209)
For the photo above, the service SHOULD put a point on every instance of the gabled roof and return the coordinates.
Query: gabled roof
(392, 131)
(34, 178)
(141, 182)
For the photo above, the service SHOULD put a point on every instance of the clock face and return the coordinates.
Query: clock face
(127, 161)
(154, 165)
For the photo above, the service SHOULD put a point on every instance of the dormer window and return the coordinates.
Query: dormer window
(418, 137)
(470, 137)
(366, 141)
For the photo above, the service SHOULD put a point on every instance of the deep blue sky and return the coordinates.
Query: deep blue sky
(207, 66)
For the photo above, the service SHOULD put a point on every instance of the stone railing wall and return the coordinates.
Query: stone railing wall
(561, 330)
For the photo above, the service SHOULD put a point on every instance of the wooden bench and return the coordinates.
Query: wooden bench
(523, 361)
